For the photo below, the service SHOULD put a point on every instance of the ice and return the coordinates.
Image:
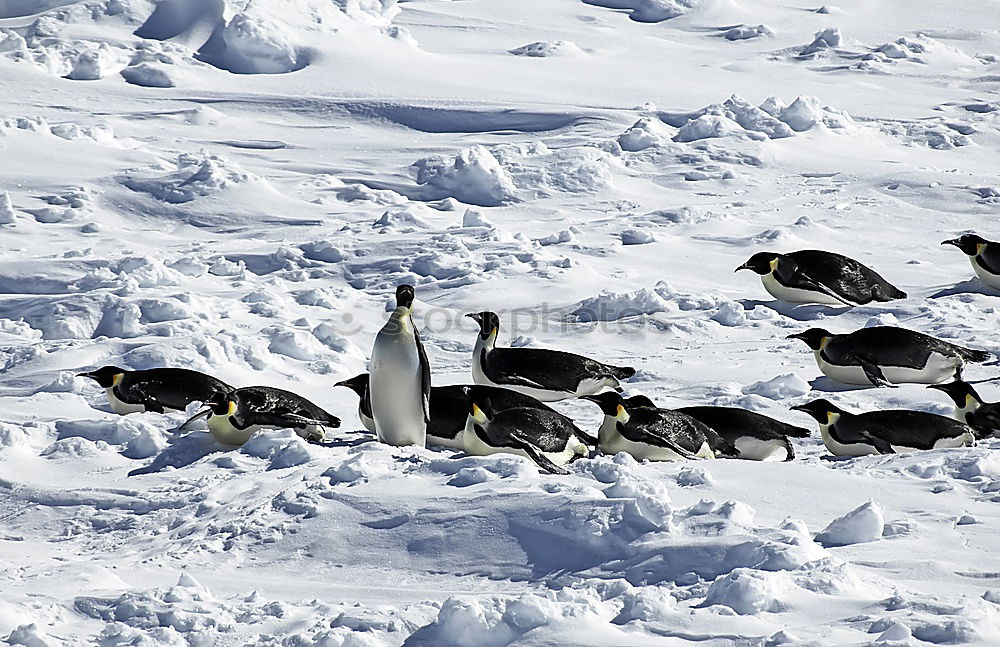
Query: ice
(541, 49)
(473, 176)
(864, 523)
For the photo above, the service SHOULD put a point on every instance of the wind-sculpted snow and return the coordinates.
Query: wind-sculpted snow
(238, 188)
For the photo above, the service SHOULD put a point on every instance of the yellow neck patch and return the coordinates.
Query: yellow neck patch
(773, 264)
(232, 407)
(979, 248)
(117, 379)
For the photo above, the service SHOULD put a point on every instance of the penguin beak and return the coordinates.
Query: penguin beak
(475, 317)
(797, 407)
(953, 241)
(90, 375)
(741, 267)
(798, 335)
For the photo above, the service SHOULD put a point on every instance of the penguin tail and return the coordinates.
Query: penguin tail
(896, 293)
(622, 372)
(797, 432)
(587, 438)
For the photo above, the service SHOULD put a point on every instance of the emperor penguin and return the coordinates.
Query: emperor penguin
(884, 432)
(238, 414)
(359, 384)
(887, 355)
(547, 375)
(814, 276)
(400, 382)
(154, 389)
(548, 438)
(655, 434)
(756, 437)
(984, 256)
(983, 417)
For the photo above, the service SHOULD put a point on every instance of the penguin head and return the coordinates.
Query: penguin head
(610, 402)
(358, 383)
(489, 323)
(481, 409)
(404, 296)
(822, 410)
(968, 243)
(639, 401)
(223, 404)
(761, 262)
(106, 376)
(815, 338)
(960, 393)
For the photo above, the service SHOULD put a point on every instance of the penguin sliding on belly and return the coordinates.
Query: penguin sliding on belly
(548, 438)
(756, 437)
(887, 355)
(983, 417)
(400, 384)
(237, 415)
(449, 408)
(154, 389)
(655, 434)
(813, 276)
(884, 432)
(547, 375)
(984, 256)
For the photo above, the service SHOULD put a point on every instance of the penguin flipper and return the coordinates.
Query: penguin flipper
(879, 444)
(522, 443)
(201, 414)
(425, 376)
(872, 371)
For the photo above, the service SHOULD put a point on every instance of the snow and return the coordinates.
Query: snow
(239, 187)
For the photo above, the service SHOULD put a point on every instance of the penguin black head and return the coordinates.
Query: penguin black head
(969, 243)
(489, 322)
(404, 296)
(222, 404)
(959, 391)
(104, 376)
(358, 383)
(609, 402)
(819, 409)
(639, 401)
(814, 337)
(759, 262)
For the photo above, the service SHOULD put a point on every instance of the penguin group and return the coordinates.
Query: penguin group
(504, 410)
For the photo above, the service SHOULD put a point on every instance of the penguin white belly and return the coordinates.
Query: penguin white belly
(226, 433)
(838, 449)
(991, 280)
(395, 390)
(795, 295)
(458, 442)
(613, 442)
(755, 449)
(939, 368)
(366, 421)
(968, 439)
(119, 407)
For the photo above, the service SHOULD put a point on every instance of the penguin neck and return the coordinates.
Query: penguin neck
(401, 318)
(971, 405)
(487, 344)
(607, 431)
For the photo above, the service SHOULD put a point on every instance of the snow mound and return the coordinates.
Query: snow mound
(196, 176)
(863, 524)
(611, 306)
(135, 436)
(649, 10)
(148, 75)
(253, 44)
(644, 133)
(749, 592)
(540, 172)
(823, 41)
(781, 387)
(474, 176)
(542, 49)
(7, 214)
(637, 236)
(746, 32)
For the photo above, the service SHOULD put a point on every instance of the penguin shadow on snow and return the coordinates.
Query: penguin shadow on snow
(799, 312)
(970, 286)
(189, 448)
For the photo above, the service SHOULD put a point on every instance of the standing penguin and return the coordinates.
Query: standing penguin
(887, 355)
(548, 375)
(983, 417)
(813, 276)
(884, 432)
(237, 415)
(984, 256)
(400, 382)
(655, 434)
(154, 389)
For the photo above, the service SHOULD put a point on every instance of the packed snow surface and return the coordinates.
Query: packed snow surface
(238, 187)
